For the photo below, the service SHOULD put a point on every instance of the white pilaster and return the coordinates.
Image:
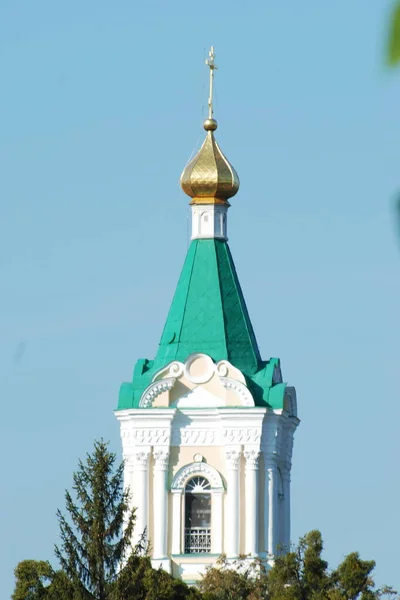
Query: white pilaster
(271, 508)
(140, 492)
(216, 524)
(232, 518)
(285, 521)
(160, 502)
(209, 221)
(176, 521)
(252, 503)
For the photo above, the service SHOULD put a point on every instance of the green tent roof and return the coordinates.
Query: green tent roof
(208, 314)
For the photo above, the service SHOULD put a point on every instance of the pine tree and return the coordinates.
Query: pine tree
(96, 536)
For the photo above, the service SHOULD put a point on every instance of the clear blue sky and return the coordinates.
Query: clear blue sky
(101, 105)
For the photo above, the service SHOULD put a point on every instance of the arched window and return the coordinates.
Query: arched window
(196, 527)
(197, 515)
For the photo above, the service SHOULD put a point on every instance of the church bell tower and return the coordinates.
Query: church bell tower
(207, 426)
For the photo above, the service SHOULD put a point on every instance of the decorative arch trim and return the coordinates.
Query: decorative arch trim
(241, 390)
(154, 390)
(193, 469)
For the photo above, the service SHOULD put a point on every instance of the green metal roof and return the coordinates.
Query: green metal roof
(208, 314)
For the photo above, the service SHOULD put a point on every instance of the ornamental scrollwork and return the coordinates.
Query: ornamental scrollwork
(252, 458)
(142, 459)
(233, 459)
(161, 460)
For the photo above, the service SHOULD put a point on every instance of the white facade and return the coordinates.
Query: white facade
(198, 431)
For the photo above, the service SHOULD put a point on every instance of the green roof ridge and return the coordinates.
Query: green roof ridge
(252, 346)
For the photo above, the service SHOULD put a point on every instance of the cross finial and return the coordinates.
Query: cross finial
(210, 63)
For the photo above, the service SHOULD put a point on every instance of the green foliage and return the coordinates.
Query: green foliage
(301, 574)
(36, 580)
(92, 541)
(99, 563)
(227, 581)
(393, 50)
(95, 542)
(353, 577)
(139, 581)
(32, 579)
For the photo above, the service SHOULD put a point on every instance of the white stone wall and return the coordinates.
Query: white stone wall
(245, 453)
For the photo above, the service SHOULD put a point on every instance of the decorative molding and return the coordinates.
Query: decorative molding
(176, 369)
(242, 436)
(193, 437)
(222, 368)
(146, 436)
(239, 388)
(233, 458)
(165, 379)
(161, 459)
(154, 390)
(252, 458)
(142, 459)
(203, 469)
(209, 369)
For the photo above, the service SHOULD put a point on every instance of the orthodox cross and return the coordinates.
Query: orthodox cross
(210, 63)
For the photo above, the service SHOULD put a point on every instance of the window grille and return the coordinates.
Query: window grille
(197, 516)
(197, 540)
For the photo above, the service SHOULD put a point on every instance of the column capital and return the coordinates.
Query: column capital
(161, 459)
(233, 458)
(252, 456)
(141, 459)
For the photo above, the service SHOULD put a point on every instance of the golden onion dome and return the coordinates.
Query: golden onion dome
(209, 177)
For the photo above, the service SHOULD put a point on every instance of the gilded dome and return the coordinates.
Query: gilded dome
(209, 175)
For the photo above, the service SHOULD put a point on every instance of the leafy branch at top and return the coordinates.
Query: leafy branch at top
(393, 49)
